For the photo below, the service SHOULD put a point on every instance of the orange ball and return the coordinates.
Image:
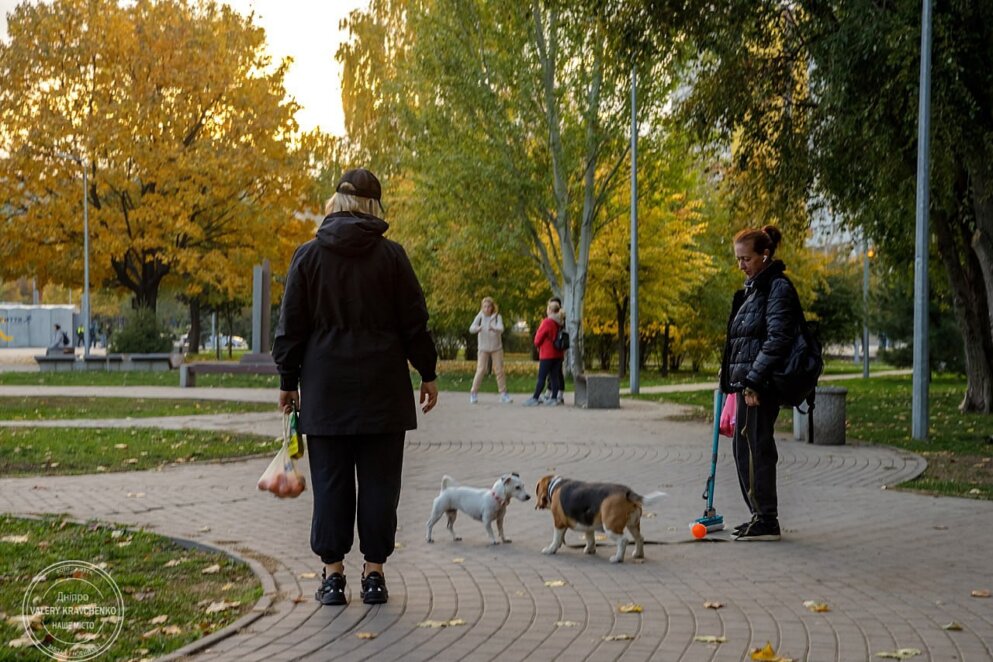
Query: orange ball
(698, 530)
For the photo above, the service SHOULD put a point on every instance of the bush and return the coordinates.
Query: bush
(142, 334)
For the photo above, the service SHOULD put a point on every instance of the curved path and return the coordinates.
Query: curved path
(894, 567)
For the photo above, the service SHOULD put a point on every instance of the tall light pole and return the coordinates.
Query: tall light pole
(86, 253)
(635, 336)
(922, 368)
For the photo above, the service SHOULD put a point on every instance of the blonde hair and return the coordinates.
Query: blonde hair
(489, 300)
(343, 202)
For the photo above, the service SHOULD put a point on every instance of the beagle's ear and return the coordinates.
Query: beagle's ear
(541, 492)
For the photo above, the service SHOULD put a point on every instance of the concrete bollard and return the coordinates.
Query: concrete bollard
(829, 418)
(598, 391)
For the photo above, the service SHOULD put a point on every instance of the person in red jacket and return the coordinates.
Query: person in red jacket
(549, 357)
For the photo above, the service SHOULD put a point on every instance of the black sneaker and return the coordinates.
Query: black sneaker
(759, 530)
(332, 590)
(741, 527)
(374, 589)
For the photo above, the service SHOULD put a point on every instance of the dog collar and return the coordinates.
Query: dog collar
(552, 485)
(500, 502)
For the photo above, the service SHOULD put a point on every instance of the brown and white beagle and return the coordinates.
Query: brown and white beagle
(590, 506)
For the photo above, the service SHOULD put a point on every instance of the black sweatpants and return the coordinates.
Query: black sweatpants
(755, 455)
(548, 370)
(377, 460)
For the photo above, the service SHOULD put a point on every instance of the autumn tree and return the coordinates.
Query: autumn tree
(182, 123)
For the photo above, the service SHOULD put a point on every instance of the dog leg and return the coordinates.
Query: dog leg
(622, 543)
(557, 541)
(489, 531)
(452, 514)
(639, 541)
(590, 543)
(499, 522)
(435, 516)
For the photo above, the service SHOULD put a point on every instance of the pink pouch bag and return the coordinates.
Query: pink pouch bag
(728, 415)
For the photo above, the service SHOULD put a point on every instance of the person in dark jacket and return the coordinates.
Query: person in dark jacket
(549, 356)
(765, 318)
(353, 314)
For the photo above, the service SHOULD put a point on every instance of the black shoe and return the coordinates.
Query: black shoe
(332, 590)
(760, 530)
(374, 589)
(741, 527)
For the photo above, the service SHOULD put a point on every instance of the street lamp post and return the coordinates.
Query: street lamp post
(86, 253)
(866, 254)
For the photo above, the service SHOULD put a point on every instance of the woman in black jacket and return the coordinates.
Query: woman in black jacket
(353, 314)
(765, 318)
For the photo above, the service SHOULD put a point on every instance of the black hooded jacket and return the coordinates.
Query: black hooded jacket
(353, 314)
(765, 318)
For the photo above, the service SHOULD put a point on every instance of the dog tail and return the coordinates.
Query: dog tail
(653, 498)
(447, 481)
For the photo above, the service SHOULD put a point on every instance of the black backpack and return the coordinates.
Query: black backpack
(561, 340)
(65, 339)
(796, 381)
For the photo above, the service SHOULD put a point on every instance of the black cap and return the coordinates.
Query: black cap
(360, 182)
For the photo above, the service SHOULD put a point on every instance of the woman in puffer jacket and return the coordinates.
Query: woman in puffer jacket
(765, 318)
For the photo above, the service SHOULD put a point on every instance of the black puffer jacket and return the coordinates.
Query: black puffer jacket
(353, 314)
(765, 318)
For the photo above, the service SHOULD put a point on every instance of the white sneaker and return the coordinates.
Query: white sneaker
(506, 399)
(473, 398)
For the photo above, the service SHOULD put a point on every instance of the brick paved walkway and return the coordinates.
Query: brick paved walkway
(893, 567)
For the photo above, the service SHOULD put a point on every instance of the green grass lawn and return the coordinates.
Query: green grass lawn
(170, 378)
(167, 590)
(58, 451)
(37, 408)
(960, 447)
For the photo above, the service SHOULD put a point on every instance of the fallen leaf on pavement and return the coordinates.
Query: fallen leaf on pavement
(618, 637)
(552, 583)
(713, 605)
(307, 575)
(211, 570)
(816, 607)
(136, 495)
(441, 624)
(983, 593)
(630, 608)
(900, 654)
(953, 627)
(566, 624)
(458, 559)
(767, 654)
(365, 635)
(710, 639)
(159, 620)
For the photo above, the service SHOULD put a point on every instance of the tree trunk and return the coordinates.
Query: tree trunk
(142, 275)
(982, 239)
(971, 313)
(665, 351)
(193, 337)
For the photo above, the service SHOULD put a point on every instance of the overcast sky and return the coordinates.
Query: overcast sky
(308, 32)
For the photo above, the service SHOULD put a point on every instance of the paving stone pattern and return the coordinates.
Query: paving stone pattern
(894, 567)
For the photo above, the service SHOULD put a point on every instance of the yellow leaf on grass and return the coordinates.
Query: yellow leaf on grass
(710, 639)
(365, 635)
(172, 630)
(159, 620)
(713, 605)
(211, 570)
(552, 583)
(618, 637)
(816, 607)
(151, 633)
(20, 642)
(900, 654)
(630, 608)
(16, 540)
(172, 563)
(223, 605)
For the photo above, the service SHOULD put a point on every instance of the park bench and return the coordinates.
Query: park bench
(188, 371)
(56, 361)
(598, 391)
(157, 362)
(108, 363)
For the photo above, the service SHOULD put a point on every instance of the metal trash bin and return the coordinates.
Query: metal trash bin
(829, 417)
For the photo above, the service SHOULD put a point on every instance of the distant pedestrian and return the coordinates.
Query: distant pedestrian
(60, 339)
(765, 318)
(80, 336)
(353, 315)
(488, 327)
(561, 320)
(549, 356)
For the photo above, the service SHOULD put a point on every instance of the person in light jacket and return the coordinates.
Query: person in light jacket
(488, 327)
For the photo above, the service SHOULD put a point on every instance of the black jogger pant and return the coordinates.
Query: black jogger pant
(755, 455)
(377, 460)
(548, 370)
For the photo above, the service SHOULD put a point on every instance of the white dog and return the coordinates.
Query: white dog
(482, 504)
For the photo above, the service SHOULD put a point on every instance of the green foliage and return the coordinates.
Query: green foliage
(838, 304)
(142, 333)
